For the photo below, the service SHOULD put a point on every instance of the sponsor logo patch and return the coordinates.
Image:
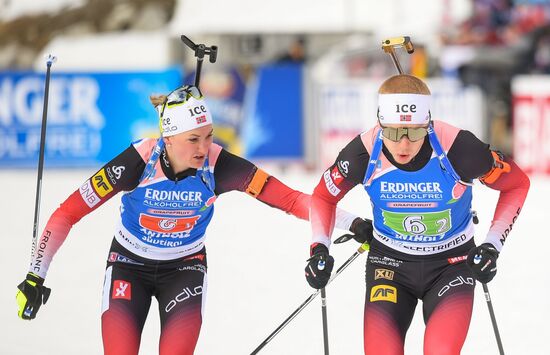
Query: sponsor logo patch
(336, 176)
(383, 293)
(195, 257)
(185, 294)
(343, 166)
(458, 281)
(122, 290)
(383, 274)
(168, 225)
(115, 173)
(116, 257)
(101, 184)
(88, 194)
(457, 259)
(331, 187)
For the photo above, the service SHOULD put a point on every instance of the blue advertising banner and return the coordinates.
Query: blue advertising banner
(273, 127)
(91, 116)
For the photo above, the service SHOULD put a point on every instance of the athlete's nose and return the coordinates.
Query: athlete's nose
(204, 146)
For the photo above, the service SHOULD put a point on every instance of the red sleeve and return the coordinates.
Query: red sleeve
(347, 171)
(278, 195)
(513, 187)
(324, 199)
(120, 174)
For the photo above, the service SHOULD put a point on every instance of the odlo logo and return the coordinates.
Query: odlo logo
(182, 296)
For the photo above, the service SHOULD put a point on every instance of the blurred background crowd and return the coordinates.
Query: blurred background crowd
(294, 80)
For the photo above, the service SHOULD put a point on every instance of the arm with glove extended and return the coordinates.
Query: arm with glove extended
(99, 188)
(506, 177)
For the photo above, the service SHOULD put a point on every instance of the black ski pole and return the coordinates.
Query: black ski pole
(321, 266)
(49, 61)
(325, 319)
(493, 318)
(364, 247)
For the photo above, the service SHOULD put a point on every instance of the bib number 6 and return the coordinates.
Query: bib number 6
(414, 225)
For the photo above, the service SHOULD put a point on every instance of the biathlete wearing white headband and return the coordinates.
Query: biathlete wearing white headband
(404, 109)
(185, 109)
(423, 245)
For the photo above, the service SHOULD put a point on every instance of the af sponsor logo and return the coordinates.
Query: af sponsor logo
(331, 187)
(457, 259)
(343, 165)
(383, 293)
(168, 225)
(122, 290)
(88, 194)
(101, 184)
(115, 173)
(383, 274)
(458, 281)
(336, 175)
(185, 294)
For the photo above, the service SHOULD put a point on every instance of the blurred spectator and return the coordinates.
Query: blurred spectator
(542, 55)
(499, 22)
(296, 52)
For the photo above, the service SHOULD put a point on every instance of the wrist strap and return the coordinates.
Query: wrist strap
(35, 278)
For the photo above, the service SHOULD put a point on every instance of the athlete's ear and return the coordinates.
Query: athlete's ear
(167, 141)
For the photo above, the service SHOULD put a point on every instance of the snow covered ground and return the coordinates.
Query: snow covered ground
(256, 260)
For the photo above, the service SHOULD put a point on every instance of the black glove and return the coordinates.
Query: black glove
(31, 295)
(361, 229)
(482, 260)
(319, 266)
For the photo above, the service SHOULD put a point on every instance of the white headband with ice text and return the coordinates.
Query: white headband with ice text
(404, 109)
(182, 117)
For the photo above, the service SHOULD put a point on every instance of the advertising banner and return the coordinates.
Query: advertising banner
(273, 120)
(91, 116)
(531, 122)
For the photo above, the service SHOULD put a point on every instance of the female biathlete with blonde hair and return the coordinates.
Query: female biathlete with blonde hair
(169, 186)
(418, 174)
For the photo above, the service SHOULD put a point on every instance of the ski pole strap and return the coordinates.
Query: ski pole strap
(149, 170)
